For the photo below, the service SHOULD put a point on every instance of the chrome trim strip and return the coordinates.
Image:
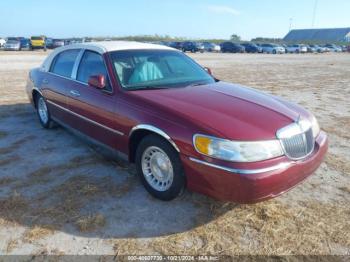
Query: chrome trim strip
(155, 130)
(86, 119)
(243, 171)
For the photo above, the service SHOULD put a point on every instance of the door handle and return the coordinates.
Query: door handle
(74, 93)
(45, 81)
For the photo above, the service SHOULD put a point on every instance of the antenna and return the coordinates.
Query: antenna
(290, 24)
(314, 14)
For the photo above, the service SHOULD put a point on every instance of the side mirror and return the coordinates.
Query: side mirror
(97, 81)
(208, 70)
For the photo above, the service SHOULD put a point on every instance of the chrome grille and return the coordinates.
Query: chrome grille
(299, 145)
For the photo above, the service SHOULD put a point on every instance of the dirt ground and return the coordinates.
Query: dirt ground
(59, 196)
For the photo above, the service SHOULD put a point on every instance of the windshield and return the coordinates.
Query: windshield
(147, 69)
(12, 42)
(37, 38)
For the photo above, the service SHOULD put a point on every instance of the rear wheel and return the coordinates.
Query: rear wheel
(43, 112)
(159, 168)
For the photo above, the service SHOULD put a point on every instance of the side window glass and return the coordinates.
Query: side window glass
(64, 62)
(92, 64)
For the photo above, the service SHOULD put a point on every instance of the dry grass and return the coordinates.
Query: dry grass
(338, 163)
(15, 145)
(345, 189)
(13, 207)
(42, 175)
(268, 228)
(9, 160)
(64, 203)
(6, 180)
(19, 110)
(90, 222)
(11, 245)
(3, 134)
(341, 128)
(37, 232)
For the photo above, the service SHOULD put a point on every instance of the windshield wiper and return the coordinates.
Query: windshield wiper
(196, 84)
(147, 88)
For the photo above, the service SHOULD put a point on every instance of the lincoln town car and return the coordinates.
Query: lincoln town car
(182, 127)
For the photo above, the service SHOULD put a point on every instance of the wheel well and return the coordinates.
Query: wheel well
(35, 94)
(135, 139)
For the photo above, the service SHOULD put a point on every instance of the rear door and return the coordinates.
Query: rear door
(57, 82)
(93, 109)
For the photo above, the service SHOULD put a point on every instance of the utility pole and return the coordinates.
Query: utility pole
(290, 24)
(314, 14)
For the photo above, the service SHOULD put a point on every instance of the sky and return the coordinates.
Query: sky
(183, 18)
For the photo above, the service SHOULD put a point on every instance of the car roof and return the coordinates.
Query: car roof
(109, 46)
(104, 47)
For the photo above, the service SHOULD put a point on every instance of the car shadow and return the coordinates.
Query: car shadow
(54, 180)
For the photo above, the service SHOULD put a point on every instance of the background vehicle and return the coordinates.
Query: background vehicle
(252, 48)
(348, 48)
(49, 43)
(2, 42)
(57, 43)
(296, 49)
(211, 47)
(38, 42)
(229, 47)
(200, 47)
(311, 49)
(25, 44)
(192, 47)
(176, 45)
(12, 45)
(273, 49)
(333, 48)
(12, 38)
(319, 49)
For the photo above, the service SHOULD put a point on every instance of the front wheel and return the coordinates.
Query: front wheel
(43, 112)
(159, 168)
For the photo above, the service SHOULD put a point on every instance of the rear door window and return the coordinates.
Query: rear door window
(64, 62)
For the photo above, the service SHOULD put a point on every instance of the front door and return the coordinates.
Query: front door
(92, 109)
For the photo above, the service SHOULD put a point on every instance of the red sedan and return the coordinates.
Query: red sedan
(181, 126)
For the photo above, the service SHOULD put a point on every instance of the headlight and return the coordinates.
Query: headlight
(315, 127)
(237, 151)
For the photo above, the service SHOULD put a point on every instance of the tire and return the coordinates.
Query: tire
(43, 112)
(274, 52)
(156, 150)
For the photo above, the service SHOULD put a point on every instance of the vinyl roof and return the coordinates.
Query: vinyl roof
(108, 46)
(103, 47)
(329, 34)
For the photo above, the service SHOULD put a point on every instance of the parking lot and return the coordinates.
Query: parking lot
(59, 195)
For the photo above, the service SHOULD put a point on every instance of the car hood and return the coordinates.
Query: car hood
(234, 111)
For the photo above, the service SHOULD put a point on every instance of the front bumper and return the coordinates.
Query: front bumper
(253, 183)
(7, 48)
